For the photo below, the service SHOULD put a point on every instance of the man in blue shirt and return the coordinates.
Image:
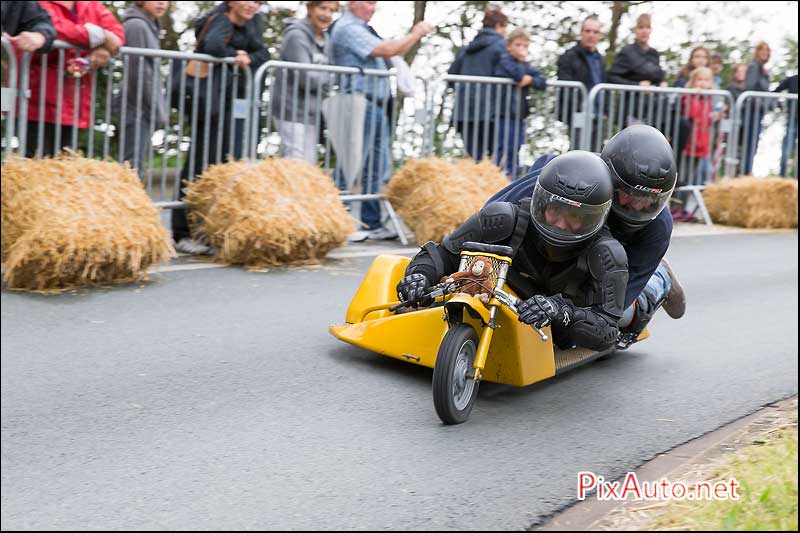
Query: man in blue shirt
(644, 178)
(356, 44)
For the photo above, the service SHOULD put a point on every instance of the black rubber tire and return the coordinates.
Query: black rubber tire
(460, 337)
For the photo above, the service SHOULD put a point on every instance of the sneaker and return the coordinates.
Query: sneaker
(358, 236)
(675, 303)
(382, 234)
(193, 247)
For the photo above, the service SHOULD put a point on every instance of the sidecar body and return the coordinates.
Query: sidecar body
(517, 354)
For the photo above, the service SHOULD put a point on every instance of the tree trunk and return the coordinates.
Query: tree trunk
(617, 10)
(170, 40)
(419, 16)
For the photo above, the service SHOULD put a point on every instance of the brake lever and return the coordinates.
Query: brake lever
(514, 305)
(436, 291)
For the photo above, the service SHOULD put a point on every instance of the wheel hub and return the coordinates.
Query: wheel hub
(462, 384)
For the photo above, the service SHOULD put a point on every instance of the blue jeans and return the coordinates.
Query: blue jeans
(509, 139)
(702, 172)
(377, 163)
(650, 298)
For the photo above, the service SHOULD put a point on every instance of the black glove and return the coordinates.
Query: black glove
(412, 288)
(541, 311)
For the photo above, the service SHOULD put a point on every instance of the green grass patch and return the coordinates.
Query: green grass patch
(767, 472)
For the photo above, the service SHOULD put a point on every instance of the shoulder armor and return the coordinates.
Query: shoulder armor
(608, 265)
(498, 221)
(492, 224)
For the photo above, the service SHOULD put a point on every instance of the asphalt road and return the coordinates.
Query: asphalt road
(216, 399)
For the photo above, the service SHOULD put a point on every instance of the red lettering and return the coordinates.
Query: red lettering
(678, 487)
(734, 485)
(586, 482)
(704, 488)
(631, 484)
(651, 491)
(612, 489)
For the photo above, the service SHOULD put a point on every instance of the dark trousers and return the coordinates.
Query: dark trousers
(478, 138)
(509, 139)
(49, 147)
(204, 153)
(138, 141)
(788, 145)
(752, 131)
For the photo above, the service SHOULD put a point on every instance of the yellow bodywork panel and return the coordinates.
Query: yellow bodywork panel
(413, 337)
(517, 355)
(377, 288)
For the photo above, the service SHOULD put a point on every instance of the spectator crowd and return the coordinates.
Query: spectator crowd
(299, 103)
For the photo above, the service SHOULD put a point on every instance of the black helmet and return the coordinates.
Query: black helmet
(643, 168)
(571, 201)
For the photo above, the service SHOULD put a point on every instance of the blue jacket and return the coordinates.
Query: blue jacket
(645, 248)
(475, 102)
(508, 67)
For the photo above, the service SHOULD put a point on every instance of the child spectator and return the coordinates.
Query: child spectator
(698, 108)
(736, 86)
(716, 69)
(698, 58)
(512, 118)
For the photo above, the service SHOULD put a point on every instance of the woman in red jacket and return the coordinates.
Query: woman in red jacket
(91, 26)
(699, 110)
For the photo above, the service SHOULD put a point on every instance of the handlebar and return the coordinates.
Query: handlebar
(509, 301)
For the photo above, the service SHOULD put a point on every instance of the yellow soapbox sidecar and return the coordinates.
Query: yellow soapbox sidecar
(462, 338)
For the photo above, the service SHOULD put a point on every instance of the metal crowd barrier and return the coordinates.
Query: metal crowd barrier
(347, 120)
(760, 114)
(696, 122)
(134, 115)
(482, 117)
(8, 97)
(344, 119)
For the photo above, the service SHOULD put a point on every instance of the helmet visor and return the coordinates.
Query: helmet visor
(637, 203)
(565, 220)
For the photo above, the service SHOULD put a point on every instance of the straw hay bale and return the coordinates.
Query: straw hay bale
(275, 211)
(71, 221)
(434, 196)
(753, 202)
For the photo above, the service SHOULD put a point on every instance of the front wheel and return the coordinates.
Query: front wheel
(454, 393)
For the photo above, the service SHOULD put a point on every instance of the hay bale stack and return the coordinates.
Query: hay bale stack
(753, 202)
(272, 212)
(434, 196)
(71, 221)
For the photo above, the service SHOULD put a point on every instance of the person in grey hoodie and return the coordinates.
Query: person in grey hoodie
(143, 101)
(296, 94)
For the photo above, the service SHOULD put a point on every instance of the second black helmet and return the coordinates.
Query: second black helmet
(643, 168)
